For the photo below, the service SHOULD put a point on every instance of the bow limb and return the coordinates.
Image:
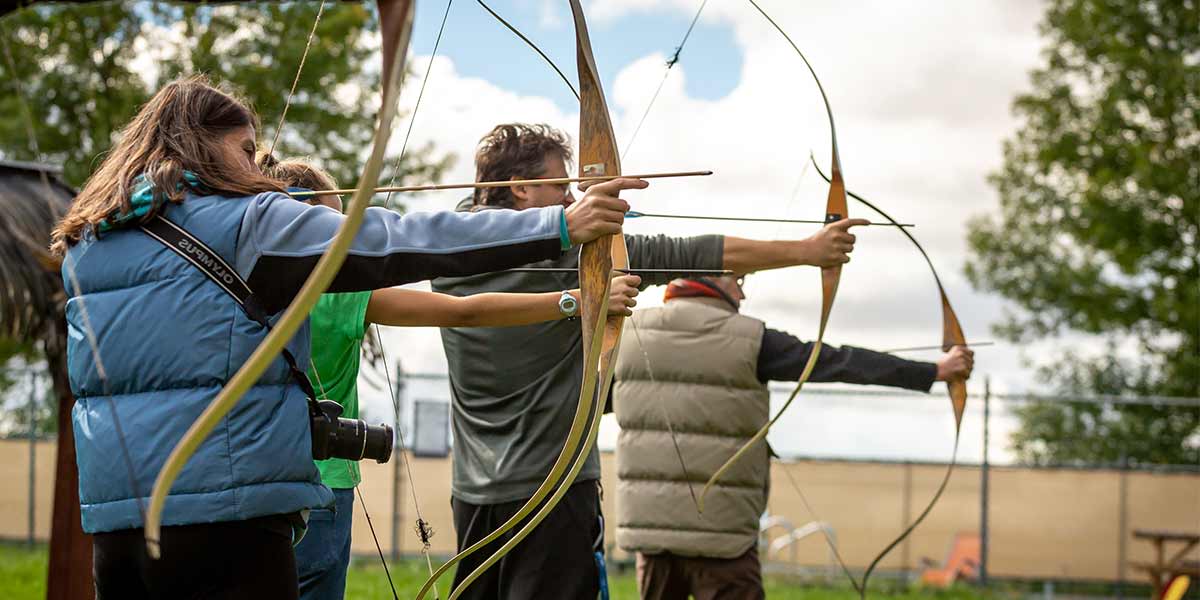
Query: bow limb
(396, 24)
(618, 251)
(598, 155)
(952, 335)
(579, 428)
(596, 261)
(835, 210)
(664, 411)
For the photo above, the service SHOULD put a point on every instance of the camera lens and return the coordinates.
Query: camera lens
(356, 440)
(353, 439)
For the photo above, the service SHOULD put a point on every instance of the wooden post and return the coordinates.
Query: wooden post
(31, 525)
(906, 518)
(1122, 526)
(70, 574)
(397, 476)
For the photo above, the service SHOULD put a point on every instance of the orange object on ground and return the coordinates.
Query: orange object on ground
(962, 561)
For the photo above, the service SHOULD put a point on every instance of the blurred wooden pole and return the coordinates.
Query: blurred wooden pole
(70, 574)
(31, 528)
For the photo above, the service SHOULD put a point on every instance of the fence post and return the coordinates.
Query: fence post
(906, 518)
(397, 482)
(32, 457)
(1122, 524)
(983, 485)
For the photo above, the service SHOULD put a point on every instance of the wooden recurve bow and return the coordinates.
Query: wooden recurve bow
(600, 334)
(952, 335)
(835, 210)
(598, 155)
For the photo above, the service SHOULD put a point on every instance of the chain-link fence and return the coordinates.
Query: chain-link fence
(867, 462)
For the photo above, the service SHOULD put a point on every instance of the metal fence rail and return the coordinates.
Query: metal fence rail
(24, 463)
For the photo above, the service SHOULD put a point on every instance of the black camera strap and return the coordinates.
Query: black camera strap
(196, 252)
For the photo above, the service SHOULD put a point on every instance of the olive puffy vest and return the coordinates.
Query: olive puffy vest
(696, 359)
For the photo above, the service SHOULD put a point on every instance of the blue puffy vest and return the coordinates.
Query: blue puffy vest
(169, 339)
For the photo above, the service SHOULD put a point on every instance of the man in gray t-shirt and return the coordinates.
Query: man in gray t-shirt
(514, 388)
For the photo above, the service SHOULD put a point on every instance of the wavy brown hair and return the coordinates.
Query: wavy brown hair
(515, 150)
(180, 129)
(296, 172)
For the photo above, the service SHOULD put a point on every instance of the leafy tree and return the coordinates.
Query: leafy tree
(1098, 227)
(79, 72)
(87, 68)
(13, 355)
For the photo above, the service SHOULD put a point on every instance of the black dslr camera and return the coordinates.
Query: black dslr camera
(353, 439)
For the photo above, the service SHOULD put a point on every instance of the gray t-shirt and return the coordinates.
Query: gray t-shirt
(514, 389)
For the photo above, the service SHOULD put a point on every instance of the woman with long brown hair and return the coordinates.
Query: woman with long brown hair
(152, 339)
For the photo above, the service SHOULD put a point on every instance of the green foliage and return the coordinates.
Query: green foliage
(86, 69)
(74, 70)
(19, 362)
(1098, 227)
(76, 73)
(24, 381)
(14, 351)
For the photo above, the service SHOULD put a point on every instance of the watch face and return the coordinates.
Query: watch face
(567, 304)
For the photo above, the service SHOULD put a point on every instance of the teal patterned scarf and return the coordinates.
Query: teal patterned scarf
(142, 200)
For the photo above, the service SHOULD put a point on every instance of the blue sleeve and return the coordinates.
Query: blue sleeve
(282, 239)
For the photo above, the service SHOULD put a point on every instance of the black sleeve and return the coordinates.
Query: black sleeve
(665, 252)
(782, 358)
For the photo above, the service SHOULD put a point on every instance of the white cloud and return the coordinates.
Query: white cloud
(455, 112)
(549, 15)
(921, 95)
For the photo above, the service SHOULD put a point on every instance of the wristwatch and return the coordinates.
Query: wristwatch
(568, 305)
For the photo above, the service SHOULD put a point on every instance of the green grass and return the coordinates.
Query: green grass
(23, 577)
(23, 571)
(367, 580)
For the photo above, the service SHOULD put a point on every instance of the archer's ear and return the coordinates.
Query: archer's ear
(520, 192)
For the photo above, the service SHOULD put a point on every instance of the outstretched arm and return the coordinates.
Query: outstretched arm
(400, 307)
(281, 240)
(829, 247)
(783, 356)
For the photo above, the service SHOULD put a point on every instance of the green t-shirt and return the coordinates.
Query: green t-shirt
(338, 324)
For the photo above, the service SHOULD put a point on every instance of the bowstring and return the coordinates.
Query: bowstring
(387, 203)
(829, 111)
(530, 43)
(824, 533)
(296, 80)
(666, 414)
(791, 202)
(666, 73)
(637, 334)
(424, 531)
(357, 492)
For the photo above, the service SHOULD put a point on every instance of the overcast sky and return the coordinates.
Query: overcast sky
(921, 93)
